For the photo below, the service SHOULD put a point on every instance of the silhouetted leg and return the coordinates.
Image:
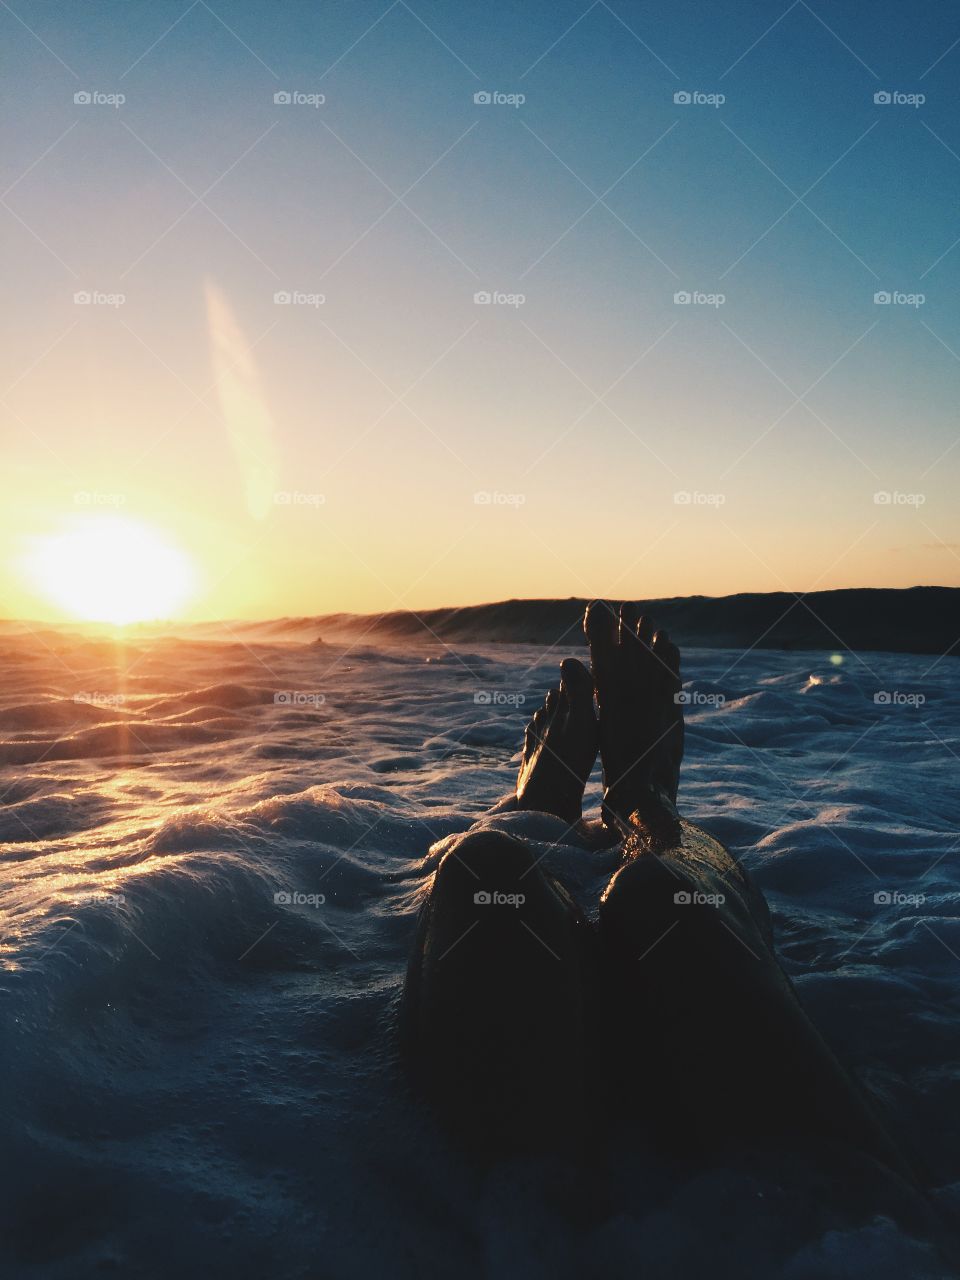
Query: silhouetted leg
(702, 1015)
(494, 1003)
(709, 1014)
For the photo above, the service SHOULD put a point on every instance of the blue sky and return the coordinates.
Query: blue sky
(585, 409)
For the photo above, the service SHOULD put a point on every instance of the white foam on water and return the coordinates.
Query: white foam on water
(212, 858)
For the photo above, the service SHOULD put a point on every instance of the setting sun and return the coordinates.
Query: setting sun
(111, 569)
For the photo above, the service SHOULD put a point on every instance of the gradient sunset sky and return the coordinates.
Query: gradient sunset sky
(310, 456)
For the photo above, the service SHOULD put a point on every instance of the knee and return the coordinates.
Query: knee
(644, 885)
(639, 905)
(488, 869)
(484, 860)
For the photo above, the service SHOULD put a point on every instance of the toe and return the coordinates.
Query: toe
(576, 684)
(629, 619)
(598, 622)
(599, 625)
(552, 701)
(645, 630)
(575, 680)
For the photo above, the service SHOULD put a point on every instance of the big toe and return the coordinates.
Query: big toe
(577, 685)
(600, 628)
(629, 621)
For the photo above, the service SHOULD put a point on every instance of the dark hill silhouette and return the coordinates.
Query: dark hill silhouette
(913, 620)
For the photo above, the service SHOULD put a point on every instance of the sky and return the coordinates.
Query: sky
(492, 301)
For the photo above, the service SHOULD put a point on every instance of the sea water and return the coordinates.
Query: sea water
(213, 852)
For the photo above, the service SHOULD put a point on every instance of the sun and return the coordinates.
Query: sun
(111, 569)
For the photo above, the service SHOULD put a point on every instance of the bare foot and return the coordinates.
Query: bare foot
(560, 747)
(637, 678)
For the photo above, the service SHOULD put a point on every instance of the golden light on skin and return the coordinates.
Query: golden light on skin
(110, 569)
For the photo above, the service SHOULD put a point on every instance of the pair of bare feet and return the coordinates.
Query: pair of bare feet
(637, 726)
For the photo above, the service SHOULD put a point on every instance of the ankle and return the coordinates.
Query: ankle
(559, 802)
(646, 813)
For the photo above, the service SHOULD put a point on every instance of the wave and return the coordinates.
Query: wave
(208, 901)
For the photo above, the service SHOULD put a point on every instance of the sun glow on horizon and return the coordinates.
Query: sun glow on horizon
(111, 569)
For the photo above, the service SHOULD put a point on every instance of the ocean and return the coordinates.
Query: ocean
(213, 852)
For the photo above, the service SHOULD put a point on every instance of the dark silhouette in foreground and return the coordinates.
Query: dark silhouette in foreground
(670, 1022)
